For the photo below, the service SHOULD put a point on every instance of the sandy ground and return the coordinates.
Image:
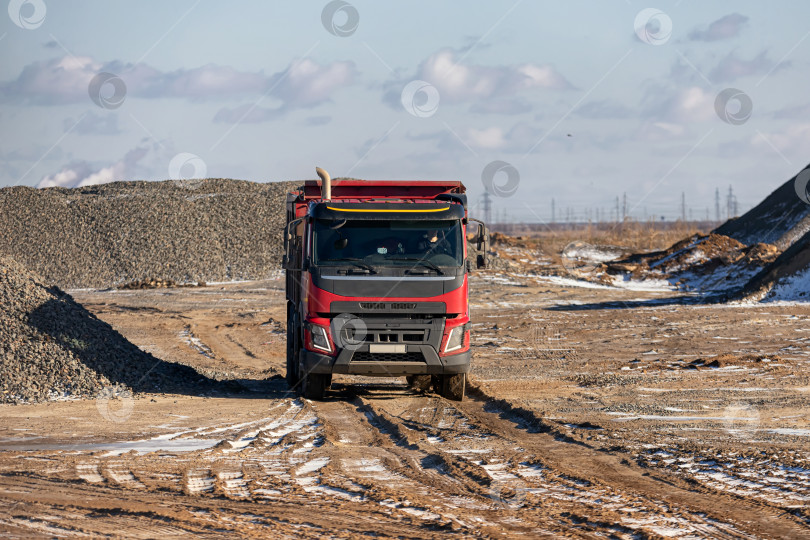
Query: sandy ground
(593, 411)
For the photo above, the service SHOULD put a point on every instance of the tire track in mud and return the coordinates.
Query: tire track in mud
(393, 475)
(517, 488)
(567, 458)
(480, 467)
(278, 459)
(37, 507)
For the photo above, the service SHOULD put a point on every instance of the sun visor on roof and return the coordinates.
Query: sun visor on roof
(386, 211)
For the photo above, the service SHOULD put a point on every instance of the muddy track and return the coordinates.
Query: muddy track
(374, 458)
(528, 469)
(379, 456)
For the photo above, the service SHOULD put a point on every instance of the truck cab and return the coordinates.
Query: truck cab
(377, 282)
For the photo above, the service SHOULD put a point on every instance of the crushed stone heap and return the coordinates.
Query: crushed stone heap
(52, 347)
(111, 234)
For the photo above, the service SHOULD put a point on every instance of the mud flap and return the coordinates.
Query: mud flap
(452, 387)
(314, 385)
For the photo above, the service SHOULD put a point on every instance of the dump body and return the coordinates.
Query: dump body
(377, 283)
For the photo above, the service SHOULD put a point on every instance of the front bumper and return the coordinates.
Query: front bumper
(384, 366)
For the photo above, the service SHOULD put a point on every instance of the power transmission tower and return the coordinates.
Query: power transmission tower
(683, 206)
(624, 206)
(730, 203)
(553, 211)
(717, 204)
(487, 204)
(618, 216)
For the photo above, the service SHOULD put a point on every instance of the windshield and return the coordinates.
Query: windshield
(388, 243)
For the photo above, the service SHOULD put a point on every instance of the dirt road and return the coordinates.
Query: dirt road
(594, 411)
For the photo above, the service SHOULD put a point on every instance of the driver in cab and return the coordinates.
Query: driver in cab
(434, 243)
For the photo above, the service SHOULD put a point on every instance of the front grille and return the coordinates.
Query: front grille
(364, 356)
(353, 335)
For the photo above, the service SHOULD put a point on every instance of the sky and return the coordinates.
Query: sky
(576, 102)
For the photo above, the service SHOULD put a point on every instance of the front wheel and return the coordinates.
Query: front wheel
(453, 386)
(315, 385)
(293, 379)
(292, 375)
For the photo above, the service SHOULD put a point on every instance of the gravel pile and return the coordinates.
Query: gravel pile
(52, 347)
(112, 234)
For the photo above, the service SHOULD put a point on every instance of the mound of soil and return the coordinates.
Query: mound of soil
(52, 347)
(786, 278)
(107, 235)
(707, 263)
(780, 219)
(763, 252)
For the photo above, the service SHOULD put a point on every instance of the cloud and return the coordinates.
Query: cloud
(490, 138)
(793, 112)
(793, 141)
(605, 109)
(659, 131)
(52, 82)
(517, 139)
(683, 106)
(93, 124)
(83, 173)
(732, 68)
(725, 27)
(206, 82)
(246, 114)
(304, 83)
(490, 89)
(509, 106)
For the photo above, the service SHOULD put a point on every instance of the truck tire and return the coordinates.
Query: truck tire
(293, 380)
(419, 383)
(315, 385)
(453, 386)
(292, 376)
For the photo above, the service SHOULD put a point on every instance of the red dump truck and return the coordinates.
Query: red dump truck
(377, 280)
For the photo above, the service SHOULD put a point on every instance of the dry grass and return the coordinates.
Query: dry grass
(636, 236)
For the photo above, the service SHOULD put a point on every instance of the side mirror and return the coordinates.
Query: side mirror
(481, 241)
(341, 243)
(291, 246)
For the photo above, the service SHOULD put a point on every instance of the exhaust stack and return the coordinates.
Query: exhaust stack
(326, 186)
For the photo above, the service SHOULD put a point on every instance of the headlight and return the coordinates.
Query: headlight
(318, 338)
(456, 339)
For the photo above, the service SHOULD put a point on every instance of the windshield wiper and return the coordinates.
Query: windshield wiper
(424, 262)
(357, 262)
